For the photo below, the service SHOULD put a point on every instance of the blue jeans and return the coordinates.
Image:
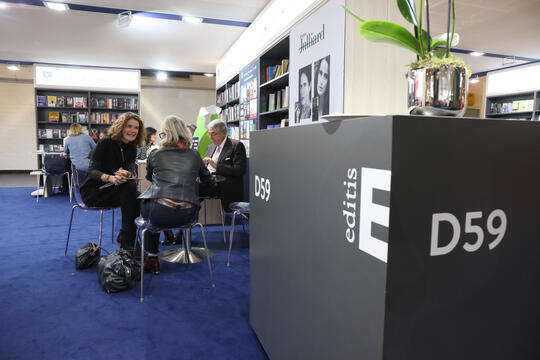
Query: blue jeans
(164, 217)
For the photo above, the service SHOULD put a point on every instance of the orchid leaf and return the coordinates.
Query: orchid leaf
(353, 14)
(406, 7)
(383, 31)
(440, 40)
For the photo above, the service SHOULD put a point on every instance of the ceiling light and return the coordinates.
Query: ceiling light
(56, 6)
(476, 53)
(208, 74)
(3, 5)
(474, 80)
(124, 19)
(161, 75)
(13, 67)
(192, 20)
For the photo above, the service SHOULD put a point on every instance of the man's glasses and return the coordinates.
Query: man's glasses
(162, 135)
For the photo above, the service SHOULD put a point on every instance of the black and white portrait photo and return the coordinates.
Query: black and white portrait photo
(304, 91)
(322, 85)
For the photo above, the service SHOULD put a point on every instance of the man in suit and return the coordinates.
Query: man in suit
(225, 157)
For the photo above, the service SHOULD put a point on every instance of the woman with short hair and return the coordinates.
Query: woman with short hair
(172, 200)
(111, 173)
(142, 152)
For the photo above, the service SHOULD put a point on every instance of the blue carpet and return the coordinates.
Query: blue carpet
(50, 310)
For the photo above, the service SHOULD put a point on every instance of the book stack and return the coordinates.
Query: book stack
(277, 100)
(54, 116)
(275, 71)
(119, 103)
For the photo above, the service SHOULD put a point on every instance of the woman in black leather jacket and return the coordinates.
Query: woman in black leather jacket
(173, 198)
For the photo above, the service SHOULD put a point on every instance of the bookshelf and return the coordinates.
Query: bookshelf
(56, 110)
(519, 106)
(227, 98)
(274, 87)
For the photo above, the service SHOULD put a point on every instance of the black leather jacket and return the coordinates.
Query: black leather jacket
(173, 172)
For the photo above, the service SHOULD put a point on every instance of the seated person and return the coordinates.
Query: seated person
(113, 162)
(142, 152)
(225, 157)
(77, 147)
(172, 199)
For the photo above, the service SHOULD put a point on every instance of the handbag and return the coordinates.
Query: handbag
(118, 271)
(87, 256)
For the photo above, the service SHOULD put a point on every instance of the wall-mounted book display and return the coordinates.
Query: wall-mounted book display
(227, 98)
(56, 110)
(521, 106)
(274, 89)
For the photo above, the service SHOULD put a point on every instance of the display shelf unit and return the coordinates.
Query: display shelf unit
(227, 98)
(56, 110)
(519, 106)
(274, 87)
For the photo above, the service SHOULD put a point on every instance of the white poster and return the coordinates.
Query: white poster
(316, 68)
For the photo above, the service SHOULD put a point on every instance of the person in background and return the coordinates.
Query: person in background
(77, 147)
(172, 199)
(112, 163)
(225, 157)
(103, 133)
(150, 140)
(192, 128)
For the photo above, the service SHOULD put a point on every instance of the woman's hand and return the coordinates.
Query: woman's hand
(122, 174)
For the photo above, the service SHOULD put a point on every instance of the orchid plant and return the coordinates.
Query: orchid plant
(431, 51)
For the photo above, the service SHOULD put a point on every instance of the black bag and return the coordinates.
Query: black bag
(118, 271)
(87, 256)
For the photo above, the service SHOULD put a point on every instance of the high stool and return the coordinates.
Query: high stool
(238, 208)
(183, 255)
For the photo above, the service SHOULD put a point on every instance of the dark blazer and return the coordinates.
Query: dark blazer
(232, 165)
(173, 172)
(107, 157)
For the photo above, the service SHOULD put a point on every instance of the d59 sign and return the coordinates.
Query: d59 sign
(262, 188)
(495, 224)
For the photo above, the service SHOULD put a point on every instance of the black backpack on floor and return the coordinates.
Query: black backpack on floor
(118, 272)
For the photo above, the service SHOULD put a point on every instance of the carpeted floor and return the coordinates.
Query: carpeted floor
(50, 310)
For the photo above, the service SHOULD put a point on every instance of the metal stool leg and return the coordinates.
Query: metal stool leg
(142, 264)
(231, 237)
(207, 255)
(112, 235)
(69, 230)
(222, 221)
(100, 226)
(38, 177)
(69, 185)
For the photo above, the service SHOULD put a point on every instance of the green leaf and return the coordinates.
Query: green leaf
(406, 7)
(353, 14)
(383, 31)
(440, 40)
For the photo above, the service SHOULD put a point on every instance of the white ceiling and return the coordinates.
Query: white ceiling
(37, 34)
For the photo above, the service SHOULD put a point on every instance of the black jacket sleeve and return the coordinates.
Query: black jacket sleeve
(238, 166)
(97, 161)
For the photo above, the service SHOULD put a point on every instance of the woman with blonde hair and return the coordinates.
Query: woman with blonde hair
(172, 199)
(78, 146)
(112, 163)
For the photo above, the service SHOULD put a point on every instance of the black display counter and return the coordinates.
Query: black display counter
(396, 237)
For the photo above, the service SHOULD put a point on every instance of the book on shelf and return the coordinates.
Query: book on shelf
(79, 101)
(82, 118)
(271, 102)
(48, 133)
(65, 117)
(63, 133)
(285, 100)
(54, 116)
(69, 101)
(60, 101)
(41, 100)
(51, 101)
(74, 118)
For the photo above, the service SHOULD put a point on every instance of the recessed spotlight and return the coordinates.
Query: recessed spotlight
(192, 19)
(13, 67)
(3, 5)
(476, 53)
(208, 74)
(56, 5)
(474, 80)
(161, 75)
